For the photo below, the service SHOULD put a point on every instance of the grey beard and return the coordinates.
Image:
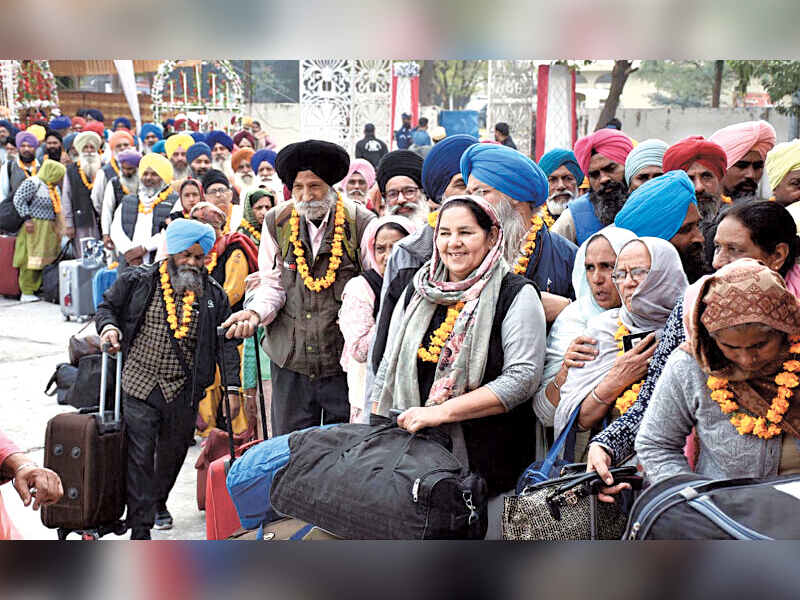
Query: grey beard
(357, 196)
(316, 209)
(222, 163)
(557, 202)
(130, 183)
(90, 163)
(146, 150)
(708, 206)
(420, 215)
(148, 192)
(181, 173)
(514, 229)
(185, 279)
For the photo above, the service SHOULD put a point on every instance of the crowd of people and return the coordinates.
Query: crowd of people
(642, 293)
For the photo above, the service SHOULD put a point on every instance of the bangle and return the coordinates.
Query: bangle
(553, 381)
(22, 466)
(596, 399)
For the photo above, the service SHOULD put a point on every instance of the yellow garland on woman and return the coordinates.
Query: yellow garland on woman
(537, 223)
(85, 179)
(440, 336)
(55, 197)
(251, 230)
(629, 396)
(764, 427)
(146, 210)
(172, 317)
(317, 285)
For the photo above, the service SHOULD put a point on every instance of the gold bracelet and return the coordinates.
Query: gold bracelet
(596, 399)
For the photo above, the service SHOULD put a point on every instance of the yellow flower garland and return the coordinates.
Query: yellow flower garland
(115, 166)
(763, 427)
(433, 217)
(85, 180)
(172, 317)
(252, 230)
(317, 285)
(440, 335)
(24, 169)
(212, 262)
(55, 197)
(629, 396)
(547, 217)
(537, 223)
(726, 199)
(161, 197)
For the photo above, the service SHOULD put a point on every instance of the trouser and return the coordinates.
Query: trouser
(159, 435)
(299, 402)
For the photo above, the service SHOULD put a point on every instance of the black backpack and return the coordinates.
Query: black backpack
(10, 221)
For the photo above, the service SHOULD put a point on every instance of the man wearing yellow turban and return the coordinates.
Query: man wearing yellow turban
(783, 170)
(176, 146)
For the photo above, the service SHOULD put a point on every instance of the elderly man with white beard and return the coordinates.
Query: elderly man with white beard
(309, 251)
(76, 199)
(399, 177)
(127, 182)
(263, 163)
(244, 178)
(358, 181)
(563, 178)
(221, 146)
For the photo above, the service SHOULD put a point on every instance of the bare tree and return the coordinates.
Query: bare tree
(619, 75)
(716, 91)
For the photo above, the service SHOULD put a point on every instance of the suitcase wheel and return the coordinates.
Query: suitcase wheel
(65, 317)
(80, 319)
(90, 536)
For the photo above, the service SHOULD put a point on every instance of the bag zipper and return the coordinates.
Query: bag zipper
(653, 505)
(706, 507)
(418, 481)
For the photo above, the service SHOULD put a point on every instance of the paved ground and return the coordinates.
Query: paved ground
(33, 340)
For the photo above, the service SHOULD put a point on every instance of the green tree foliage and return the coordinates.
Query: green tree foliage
(454, 81)
(270, 80)
(780, 79)
(684, 83)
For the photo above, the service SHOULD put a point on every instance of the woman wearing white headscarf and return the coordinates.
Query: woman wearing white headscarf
(594, 294)
(649, 277)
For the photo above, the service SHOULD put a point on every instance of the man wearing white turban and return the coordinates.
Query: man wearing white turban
(79, 213)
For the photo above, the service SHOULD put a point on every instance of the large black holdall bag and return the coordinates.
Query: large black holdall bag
(361, 481)
(691, 507)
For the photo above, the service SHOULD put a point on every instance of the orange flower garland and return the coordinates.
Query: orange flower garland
(763, 427)
(55, 197)
(24, 168)
(115, 166)
(537, 223)
(547, 217)
(726, 199)
(317, 285)
(629, 396)
(161, 197)
(85, 180)
(433, 218)
(440, 335)
(172, 317)
(252, 230)
(212, 262)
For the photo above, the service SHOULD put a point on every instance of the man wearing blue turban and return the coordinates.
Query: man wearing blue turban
(666, 208)
(164, 318)
(564, 175)
(517, 187)
(150, 134)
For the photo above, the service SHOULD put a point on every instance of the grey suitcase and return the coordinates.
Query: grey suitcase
(75, 290)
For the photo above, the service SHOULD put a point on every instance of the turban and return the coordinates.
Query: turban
(611, 143)
(6, 124)
(241, 155)
(206, 212)
(781, 160)
(507, 171)
(265, 155)
(197, 136)
(362, 166)
(658, 207)
(244, 135)
(443, 162)
(51, 171)
(560, 157)
(76, 121)
(55, 134)
(149, 128)
(126, 123)
(97, 128)
(131, 157)
(692, 149)
(197, 150)
(438, 133)
(160, 147)
(159, 164)
(247, 121)
(68, 141)
(62, 122)
(182, 234)
(219, 137)
(399, 162)
(737, 140)
(215, 176)
(26, 136)
(649, 153)
(173, 142)
(86, 137)
(95, 114)
(38, 131)
(118, 136)
(326, 160)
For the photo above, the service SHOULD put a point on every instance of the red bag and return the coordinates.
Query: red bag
(221, 516)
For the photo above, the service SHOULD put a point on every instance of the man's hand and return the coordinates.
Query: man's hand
(107, 242)
(38, 485)
(242, 324)
(29, 226)
(599, 460)
(111, 336)
(235, 405)
(70, 232)
(420, 417)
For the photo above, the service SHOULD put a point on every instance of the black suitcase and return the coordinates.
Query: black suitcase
(87, 450)
(691, 507)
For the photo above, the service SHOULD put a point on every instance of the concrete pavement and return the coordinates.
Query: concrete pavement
(33, 340)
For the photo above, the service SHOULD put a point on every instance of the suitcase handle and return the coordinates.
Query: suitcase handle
(103, 383)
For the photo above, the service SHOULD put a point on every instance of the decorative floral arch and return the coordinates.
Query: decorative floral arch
(26, 85)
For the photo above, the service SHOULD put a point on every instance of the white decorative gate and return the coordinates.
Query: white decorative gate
(512, 90)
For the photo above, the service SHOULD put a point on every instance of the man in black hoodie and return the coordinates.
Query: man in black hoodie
(371, 148)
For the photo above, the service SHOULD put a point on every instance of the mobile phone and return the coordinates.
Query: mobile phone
(632, 339)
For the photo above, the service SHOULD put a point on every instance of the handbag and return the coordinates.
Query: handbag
(567, 508)
(551, 466)
(79, 347)
(63, 379)
(359, 481)
(85, 392)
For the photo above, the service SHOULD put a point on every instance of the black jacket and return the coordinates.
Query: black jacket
(125, 304)
(372, 149)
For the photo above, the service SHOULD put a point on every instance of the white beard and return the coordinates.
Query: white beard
(242, 181)
(420, 215)
(514, 230)
(272, 183)
(556, 203)
(90, 163)
(357, 196)
(223, 163)
(316, 209)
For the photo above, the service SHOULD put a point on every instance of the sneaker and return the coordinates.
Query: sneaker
(140, 534)
(163, 518)
(29, 298)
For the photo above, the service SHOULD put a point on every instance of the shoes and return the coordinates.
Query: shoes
(163, 518)
(140, 534)
(29, 298)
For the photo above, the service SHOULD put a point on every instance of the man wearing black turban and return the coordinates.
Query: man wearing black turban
(309, 251)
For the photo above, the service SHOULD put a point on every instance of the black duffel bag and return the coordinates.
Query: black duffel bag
(85, 392)
(63, 379)
(361, 481)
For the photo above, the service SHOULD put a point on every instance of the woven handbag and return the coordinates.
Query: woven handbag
(567, 509)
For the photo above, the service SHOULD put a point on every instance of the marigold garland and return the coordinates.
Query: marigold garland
(726, 199)
(186, 312)
(629, 396)
(115, 166)
(146, 210)
(212, 262)
(85, 179)
(537, 223)
(763, 427)
(433, 217)
(55, 197)
(547, 217)
(25, 169)
(317, 285)
(440, 336)
(251, 230)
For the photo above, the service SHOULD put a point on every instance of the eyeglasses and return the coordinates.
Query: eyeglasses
(637, 274)
(409, 192)
(217, 192)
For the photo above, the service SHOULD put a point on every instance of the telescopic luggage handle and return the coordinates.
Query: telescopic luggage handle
(114, 425)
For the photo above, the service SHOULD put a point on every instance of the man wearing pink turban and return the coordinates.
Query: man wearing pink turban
(359, 180)
(601, 156)
(746, 146)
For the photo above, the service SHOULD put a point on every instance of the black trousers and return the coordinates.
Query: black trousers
(299, 402)
(159, 435)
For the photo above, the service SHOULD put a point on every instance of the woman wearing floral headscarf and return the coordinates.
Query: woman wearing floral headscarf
(255, 205)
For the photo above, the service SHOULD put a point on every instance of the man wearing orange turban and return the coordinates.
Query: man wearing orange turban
(746, 146)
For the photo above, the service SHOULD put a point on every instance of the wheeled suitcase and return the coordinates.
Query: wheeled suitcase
(692, 507)
(75, 290)
(9, 276)
(87, 450)
(103, 279)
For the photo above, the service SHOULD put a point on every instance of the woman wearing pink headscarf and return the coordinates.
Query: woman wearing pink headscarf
(361, 302)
